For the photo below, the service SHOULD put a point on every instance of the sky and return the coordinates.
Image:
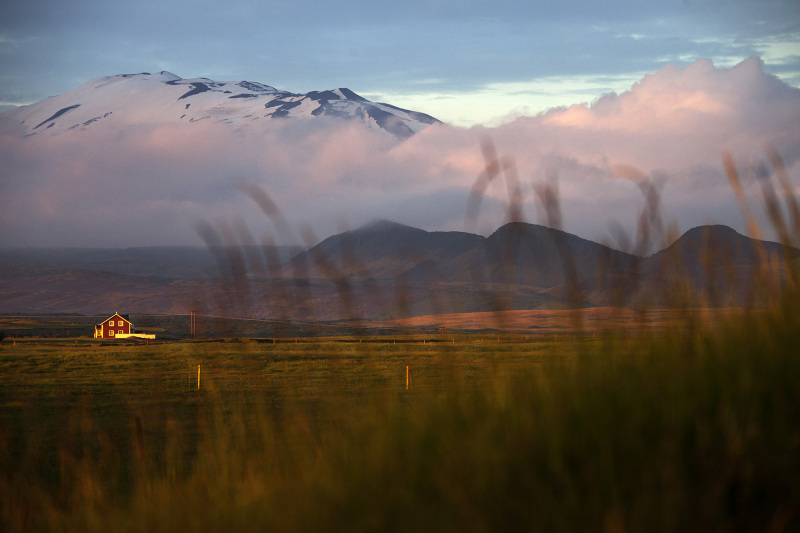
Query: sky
(463, 61)
(589, 98)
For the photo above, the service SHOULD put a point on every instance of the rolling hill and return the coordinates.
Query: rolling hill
(386, 270)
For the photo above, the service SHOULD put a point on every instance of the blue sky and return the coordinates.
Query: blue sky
(463, 61)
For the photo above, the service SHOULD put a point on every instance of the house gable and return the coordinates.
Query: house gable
(118, 320)
(113, 326)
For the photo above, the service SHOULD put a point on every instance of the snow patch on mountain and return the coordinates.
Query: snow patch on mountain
(163, 98)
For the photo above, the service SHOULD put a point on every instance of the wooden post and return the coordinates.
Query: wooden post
(198, 377)
(406, 377)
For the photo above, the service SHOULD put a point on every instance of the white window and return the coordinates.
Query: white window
(111, 332)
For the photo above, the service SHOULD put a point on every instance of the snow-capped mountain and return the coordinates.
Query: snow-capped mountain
(164, 97)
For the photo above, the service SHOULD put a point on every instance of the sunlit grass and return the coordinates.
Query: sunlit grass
(602, 434)
(692, 425)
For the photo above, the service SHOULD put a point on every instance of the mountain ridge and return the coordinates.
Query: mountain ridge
(165, 98)
(380, 249)
(386, 269)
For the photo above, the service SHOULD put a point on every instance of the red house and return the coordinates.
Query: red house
(113, 327)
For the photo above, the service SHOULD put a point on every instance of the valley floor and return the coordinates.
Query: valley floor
(354, 434)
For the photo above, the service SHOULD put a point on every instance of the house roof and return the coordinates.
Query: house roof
(117, 315)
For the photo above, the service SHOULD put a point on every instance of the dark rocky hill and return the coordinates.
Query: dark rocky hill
(386, 270)
(529, 254)
(380, 250)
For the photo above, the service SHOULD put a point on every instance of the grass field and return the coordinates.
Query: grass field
(696, 430)
(666, 420)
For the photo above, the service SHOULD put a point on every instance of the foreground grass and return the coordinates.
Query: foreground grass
(694, 430)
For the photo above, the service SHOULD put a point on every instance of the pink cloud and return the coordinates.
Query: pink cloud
(149, 184)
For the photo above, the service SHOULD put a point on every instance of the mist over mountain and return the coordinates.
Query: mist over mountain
(139, 160)
(171, 262)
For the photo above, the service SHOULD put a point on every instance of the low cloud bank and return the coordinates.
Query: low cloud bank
(119, 186)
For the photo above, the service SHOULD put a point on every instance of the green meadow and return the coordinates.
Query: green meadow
(692, 429)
